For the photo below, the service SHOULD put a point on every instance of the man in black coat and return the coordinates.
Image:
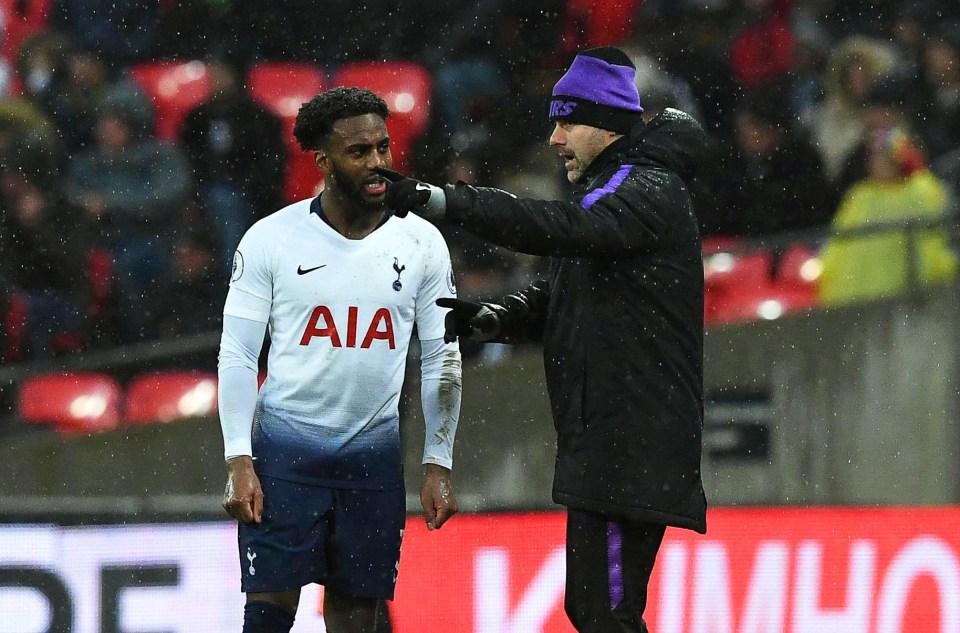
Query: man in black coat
(621, 321)
(238, 157)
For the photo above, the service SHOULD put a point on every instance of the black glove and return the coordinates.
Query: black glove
(406, 194)
(466, 319)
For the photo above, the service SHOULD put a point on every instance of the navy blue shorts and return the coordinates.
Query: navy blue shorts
(348, 540)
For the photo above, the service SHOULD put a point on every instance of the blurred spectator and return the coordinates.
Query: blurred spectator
(938, 97)
(772, 181)
(41, 64)
(19, 19)
(66, 82)
(806, 76)
(695, 50)
(135, 188)
(488, 67)
(237, 153)
(887, 105)
(659, 89)
(120, 31)
(7, 354)
(464, 62)
(947, 169)
(763, 50)
(6, 72)
(837, 127)
(192, 29)
(486, 74)
(329, 33)
(44, 245)
(6, 78)
(862, 17)
(883, 264)
(25, 134)
(189, 302)
(907, 35)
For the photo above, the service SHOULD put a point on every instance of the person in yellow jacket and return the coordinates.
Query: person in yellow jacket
(899, 188)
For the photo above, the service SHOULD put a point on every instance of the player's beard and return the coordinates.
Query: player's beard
(352, 192)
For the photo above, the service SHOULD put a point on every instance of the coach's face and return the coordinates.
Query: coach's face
(357, 145)
(579, 145)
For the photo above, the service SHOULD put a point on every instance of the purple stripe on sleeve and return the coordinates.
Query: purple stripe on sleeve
(614, 563)
(610, 187)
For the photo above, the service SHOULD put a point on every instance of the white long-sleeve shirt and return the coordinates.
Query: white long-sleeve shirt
(340, 314)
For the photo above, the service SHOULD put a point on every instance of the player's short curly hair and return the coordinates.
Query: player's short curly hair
(316, 117)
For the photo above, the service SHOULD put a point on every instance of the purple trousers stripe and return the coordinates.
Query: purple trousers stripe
(614, 563)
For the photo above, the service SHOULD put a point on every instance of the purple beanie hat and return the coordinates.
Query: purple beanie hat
(598, 90)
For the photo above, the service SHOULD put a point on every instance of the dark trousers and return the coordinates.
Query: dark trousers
(609, 562)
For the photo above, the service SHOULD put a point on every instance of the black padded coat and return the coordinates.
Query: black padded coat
(620, 318)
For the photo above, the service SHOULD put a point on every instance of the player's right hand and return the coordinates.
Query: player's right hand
(437, 496)
(243, 496)
(467, 319)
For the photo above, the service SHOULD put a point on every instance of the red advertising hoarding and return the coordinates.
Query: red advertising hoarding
(796, 570)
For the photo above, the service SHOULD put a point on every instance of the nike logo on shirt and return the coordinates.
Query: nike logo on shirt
(303, 271)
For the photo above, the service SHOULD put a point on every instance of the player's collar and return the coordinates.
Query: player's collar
(317, 207)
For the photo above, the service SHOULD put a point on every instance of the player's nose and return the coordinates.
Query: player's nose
(376, 159)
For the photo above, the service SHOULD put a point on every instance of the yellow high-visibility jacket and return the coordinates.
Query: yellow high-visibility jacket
(876, 265)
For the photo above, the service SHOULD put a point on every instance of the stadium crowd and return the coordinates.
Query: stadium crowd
(820, 113)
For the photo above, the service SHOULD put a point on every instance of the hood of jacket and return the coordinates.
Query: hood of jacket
(672, 139)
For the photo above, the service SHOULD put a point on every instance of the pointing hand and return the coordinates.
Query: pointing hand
(408, 194)
(466, 319)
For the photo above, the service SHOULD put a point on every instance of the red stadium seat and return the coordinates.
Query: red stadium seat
(607, 22)
(727, 274)
(170, 395)
(799, 267)
(175, 88)
(80, 402)
(302, 179)
(735, 271)
(799, 272)
(405, 86)
(713, 244)
(282, 87)
(21, 19)
(769, 302)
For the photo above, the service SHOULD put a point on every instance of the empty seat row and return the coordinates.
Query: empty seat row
(84, 402)
(744, 285)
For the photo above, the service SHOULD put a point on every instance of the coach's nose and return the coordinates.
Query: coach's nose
(559, 136)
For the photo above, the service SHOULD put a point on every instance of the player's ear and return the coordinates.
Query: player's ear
(322, 160)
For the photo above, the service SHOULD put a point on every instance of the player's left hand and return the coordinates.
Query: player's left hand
(437, 497)
(408, 194)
